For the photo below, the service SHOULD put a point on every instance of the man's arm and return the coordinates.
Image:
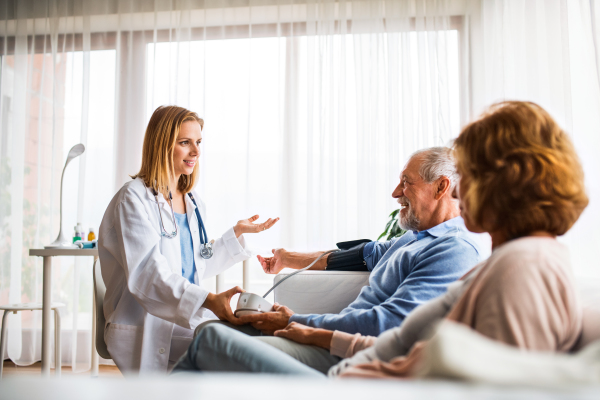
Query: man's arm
(357, 255)
(288, 259)
(374, 251)
(349, 258)
(435, 268)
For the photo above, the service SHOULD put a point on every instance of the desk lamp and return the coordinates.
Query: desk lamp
(62, 241)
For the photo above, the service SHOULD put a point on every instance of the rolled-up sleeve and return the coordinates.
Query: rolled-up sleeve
(236, 247)
(228, 250)
(374, 251)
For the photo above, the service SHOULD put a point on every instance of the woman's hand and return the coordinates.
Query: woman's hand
(220, 305)
(247, 226)
(306, 335)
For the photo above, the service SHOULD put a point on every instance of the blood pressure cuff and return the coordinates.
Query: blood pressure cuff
(349, 257)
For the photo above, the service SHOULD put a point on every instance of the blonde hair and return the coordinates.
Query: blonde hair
(157, 153)
(523, 171)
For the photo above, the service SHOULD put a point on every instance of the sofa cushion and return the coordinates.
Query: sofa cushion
(319, 292)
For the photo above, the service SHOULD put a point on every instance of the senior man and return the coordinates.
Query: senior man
(404, 272)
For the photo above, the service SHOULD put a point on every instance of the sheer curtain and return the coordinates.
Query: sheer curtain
(547, 52)
(311, 109)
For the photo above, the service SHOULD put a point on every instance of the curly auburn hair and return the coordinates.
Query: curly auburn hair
(523, 171)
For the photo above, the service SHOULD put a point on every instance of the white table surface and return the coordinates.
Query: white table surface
(47, 254)
(269, 387)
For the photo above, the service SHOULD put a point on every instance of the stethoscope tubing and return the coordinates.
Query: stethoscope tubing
(203, 235)
(207, 248)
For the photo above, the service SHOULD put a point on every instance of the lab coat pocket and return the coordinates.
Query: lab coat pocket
(124, 343)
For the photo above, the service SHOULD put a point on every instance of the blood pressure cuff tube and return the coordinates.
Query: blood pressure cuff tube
(349, 257)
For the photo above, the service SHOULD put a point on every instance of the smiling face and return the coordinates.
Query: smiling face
(415, 196)
(187, 148)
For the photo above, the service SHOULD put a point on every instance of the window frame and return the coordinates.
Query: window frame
(131, 48)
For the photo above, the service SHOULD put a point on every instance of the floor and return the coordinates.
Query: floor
(10, 369)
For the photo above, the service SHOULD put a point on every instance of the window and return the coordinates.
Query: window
(30, 174)
(284, 119)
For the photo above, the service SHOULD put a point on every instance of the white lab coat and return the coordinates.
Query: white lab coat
(145, 291)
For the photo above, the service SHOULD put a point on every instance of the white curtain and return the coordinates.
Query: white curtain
(311, 109)
(548, 52)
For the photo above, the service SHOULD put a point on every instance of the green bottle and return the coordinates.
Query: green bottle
(76, 236)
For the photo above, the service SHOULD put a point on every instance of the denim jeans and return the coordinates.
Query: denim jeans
(218, 347)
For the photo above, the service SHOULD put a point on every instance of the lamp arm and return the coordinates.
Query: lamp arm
(63, 242)
(62, 176)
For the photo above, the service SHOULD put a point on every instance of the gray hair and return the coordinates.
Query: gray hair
(435, 163)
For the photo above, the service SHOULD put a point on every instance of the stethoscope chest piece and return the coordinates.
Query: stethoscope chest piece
(206, 250)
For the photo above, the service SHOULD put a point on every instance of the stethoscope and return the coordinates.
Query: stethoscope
(206, 250)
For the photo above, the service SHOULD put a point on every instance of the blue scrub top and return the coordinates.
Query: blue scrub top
(188, 266)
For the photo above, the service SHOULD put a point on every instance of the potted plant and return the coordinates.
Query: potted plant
(392, 229)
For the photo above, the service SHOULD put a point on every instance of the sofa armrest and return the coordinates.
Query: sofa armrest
(319, 292)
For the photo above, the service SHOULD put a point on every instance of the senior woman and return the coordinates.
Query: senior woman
(521, 181)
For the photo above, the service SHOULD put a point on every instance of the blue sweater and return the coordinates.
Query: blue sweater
(405, 272)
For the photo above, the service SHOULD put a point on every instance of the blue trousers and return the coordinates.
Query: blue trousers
(220, 348)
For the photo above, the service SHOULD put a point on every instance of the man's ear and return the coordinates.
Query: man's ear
(443, 186)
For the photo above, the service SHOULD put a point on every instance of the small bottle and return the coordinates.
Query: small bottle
(91, 235)
(76, 236)
(81, 233)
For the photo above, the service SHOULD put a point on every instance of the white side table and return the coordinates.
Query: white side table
(47, 300)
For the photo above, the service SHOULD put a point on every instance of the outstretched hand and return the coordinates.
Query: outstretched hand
(272, 265)
(247, 225)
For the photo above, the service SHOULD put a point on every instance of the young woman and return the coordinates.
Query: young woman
(154, 250)
(521, 181)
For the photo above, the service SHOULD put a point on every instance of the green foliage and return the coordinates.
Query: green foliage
(392, 229)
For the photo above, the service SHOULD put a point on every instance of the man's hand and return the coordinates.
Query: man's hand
(272, 265)
(271, 321)
(306, 335)
(220, 305)
(286, 259)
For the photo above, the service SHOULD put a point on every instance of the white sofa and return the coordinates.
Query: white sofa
(330, 291)
(323, 292)
(319, 292)
(486, 370)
